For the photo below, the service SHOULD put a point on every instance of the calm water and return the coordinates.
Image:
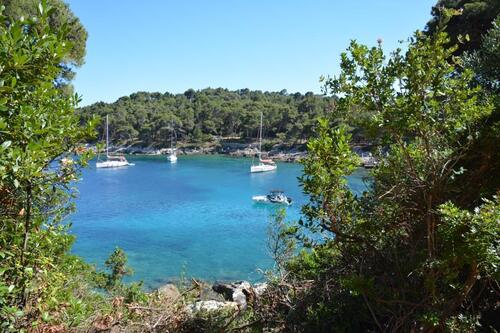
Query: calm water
(195, 217)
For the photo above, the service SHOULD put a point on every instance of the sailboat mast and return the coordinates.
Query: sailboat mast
(107, 137)
(171, 137)
(260, 137)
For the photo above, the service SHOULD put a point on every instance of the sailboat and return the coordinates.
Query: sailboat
(172, 156)
(264, 165)
(112, 161)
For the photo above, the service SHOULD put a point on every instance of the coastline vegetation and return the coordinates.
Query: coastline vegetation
(417, 253)
(147, 119)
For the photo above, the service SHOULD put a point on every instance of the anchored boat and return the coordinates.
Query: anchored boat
(275, 197)
(264, 165)
(112, 161)
(172, 156)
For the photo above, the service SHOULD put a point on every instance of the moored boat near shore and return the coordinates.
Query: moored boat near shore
(264, 164)
(112, 160)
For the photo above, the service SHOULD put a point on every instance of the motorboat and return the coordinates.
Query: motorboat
(368, 161)
(275, 197)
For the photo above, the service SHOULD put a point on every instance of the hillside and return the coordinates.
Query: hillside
(145, 119)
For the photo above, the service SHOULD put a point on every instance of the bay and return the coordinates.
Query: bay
(194, 218)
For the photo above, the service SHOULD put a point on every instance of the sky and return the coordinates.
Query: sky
(167, 45)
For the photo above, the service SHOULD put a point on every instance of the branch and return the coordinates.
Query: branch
(372, 313)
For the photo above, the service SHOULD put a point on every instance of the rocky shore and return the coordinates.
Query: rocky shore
(278, 152)
(220, 296)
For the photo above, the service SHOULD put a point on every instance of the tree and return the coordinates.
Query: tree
(40, 155)
(138, 119)
(280, 241)
(485, 61)
(117, 265)
(483, 159)
(61, 17)
(464, 17)
(404, 256)
(190, 94)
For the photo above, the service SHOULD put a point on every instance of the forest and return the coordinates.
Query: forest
(147, 119)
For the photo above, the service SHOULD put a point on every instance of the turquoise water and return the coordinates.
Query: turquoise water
(195, 217)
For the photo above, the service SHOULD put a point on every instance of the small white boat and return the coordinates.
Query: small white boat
(368, 161)
(172, 155)
(112, 161)
(264, 165)
(275, 197)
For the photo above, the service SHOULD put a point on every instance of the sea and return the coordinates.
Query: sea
(191, 219)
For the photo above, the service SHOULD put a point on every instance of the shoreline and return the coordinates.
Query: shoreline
(292, 154)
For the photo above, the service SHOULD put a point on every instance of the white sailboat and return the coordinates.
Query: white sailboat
(112, 161)
(172, 156)
(264, 165)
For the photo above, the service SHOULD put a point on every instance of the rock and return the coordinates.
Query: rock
(115, 329)
(226, 290)
(211, 306)
(245, 285)
(207, 294)
(169, 291)
(240, 298)
(260, 288)
(239, 292)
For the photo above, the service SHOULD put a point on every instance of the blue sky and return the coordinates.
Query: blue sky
(166, 45)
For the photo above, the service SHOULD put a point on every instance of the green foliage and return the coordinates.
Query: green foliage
(403, 256)
(40, 156)
(466, 21)
(70, 297)
(60, 18)
(472, 237)
(144, 119)
(117, 265)
(111, 280)
(324, 180)
(281, 243)
(486, 60)
(483, 157)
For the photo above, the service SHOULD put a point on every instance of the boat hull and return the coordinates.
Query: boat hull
(260, 198)
(112, 164)
(172, 158)
(262, 168)
(265, 199)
